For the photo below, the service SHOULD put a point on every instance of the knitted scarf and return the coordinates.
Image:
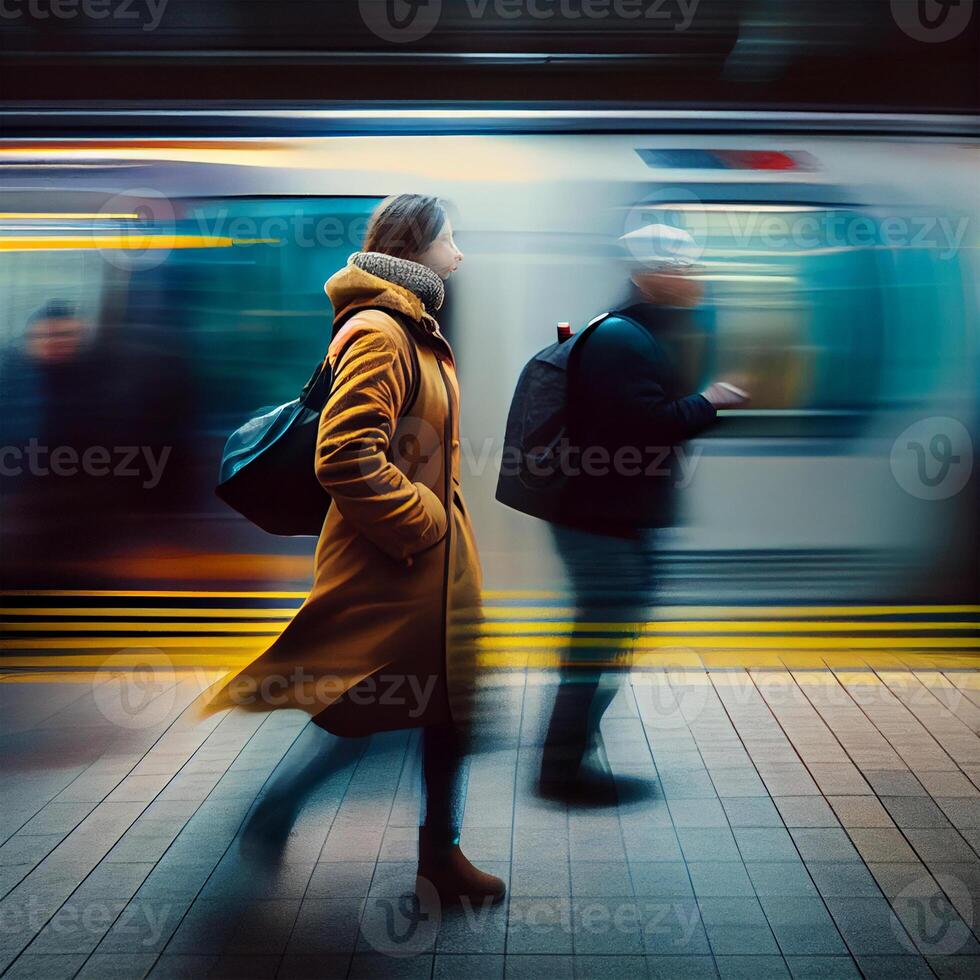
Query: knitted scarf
(418, 278)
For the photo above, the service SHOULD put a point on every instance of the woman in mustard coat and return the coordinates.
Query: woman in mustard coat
(385, 640)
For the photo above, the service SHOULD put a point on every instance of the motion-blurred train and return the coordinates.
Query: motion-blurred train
(155, 292)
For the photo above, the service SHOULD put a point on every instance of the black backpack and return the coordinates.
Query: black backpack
(539, 430)
(268, 471)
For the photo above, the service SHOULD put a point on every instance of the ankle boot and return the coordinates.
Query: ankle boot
(444, 866)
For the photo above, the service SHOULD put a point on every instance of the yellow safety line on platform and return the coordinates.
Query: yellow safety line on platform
(517, 628)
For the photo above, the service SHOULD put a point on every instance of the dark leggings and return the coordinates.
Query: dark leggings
(444, 774)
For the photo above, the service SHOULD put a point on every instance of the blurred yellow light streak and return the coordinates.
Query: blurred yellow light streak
(125, 242)
(156, 593)
(736, 626)
(505, 643)
(163, 611)
(735, 642)
(556, 628)
(737, 612)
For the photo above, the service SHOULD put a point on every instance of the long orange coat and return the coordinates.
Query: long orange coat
(386, 637)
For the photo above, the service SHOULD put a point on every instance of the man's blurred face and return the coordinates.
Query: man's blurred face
(55, 339)
(676, 288)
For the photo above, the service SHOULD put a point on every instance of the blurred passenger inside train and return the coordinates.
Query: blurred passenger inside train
(50, 373)
(384, 640)
(626, 400)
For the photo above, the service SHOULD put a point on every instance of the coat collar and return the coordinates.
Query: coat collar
(353, 288)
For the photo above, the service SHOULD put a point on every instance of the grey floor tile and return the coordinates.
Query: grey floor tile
(241, 967)
(708, 845)
(610, 925)
(378, 966)
(824, 844)
(940, 845)
(910, 878)
(214, 926)
(672, 926)
(325, 966)
(144, 926)
(720, 879)
(614, 967)
(962, 812)
(55, 967)
(860, 811)
(846, 879)
(737, 927)
(656, 844)
(325, 925)
(869, 926)
(955, 967)
(468, 967)
(898, 782)
(550, 878)
(340, 879)
(681, 968)
(519, 966)
(895, 968)
(751, 967)
(600, 878)
(752, 812)
(806, 811)
(822, 968)
(480, 929)
(803, 927)
(765, 844)
(698, 813)
(934, 925)
(660, 879)
(778, 879)
(915, 811)
(117, 966)
(881, 844)
(539, 925)
(183, 966)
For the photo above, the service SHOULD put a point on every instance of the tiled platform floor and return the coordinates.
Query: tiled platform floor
(807, 824)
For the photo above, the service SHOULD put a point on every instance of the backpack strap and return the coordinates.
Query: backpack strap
(317, 389)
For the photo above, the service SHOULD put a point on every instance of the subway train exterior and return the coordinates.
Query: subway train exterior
(183, 280)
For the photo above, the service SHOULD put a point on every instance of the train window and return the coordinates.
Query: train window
(132, 329)
(792, 306)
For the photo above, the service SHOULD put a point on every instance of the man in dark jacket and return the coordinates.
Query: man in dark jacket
(629, 419)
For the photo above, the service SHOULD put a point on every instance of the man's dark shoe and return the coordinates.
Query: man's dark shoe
(593, 787)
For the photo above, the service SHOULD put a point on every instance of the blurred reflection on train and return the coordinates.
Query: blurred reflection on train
(154, 295)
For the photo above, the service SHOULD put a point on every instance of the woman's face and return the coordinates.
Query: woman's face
(442, 256)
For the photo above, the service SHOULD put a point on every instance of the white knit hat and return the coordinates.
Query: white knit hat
(662, 247)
